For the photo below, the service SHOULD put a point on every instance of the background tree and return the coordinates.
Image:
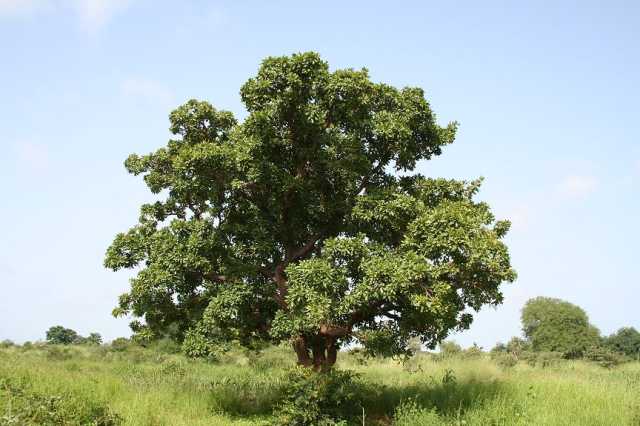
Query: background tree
(625, 341)
(517, 346)
(93, 339)
(59, 335)
(293, 225)
(553, 325)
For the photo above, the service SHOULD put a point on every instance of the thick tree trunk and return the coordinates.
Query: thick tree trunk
(317, 352)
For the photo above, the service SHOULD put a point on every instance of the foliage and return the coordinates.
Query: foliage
(409, 413)
(553, 325)
(6, 344)
(196, 345)
(293, 226)
(542, 359)
(93, 339)
(59, 335)
(320, 399)
(499, 348)
(120, 344)
(504, 359)
(23, 406)
(450, 348)
(473, 351)
(58, 353)
(625, 341)
(603, 356)
(517, 346)
(147, 387)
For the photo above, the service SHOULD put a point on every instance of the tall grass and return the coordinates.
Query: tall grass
(146, 387)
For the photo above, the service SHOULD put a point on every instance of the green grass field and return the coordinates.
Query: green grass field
(95, 385)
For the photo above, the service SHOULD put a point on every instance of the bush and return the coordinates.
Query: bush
(449, 349)
(474, 351)
(6, 344)
(505, 360)
(625, 341)
(542, 359)
(408, 413)
(499, 348)
(196, 345)
(518, 346)
(58, 353)
(28, 407)
(121, 344)
(321, 399)
(603, 356)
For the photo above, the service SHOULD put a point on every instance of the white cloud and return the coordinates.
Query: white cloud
(147, 91)
(577, 186)
(92, 14)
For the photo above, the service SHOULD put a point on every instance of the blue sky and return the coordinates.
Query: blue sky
(546, 94)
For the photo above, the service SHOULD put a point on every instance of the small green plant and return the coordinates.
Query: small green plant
(409, 413)
(320, 398)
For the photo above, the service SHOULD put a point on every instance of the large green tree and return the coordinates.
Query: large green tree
(296, 225)
(626, 341)
(59, 335)
(558, 326)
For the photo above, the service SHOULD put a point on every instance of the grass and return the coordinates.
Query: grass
(145, 387)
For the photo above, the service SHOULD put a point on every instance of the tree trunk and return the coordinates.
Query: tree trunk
(318, 352)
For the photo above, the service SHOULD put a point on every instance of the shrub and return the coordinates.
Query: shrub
(505, 360)
(31, 408)
(450, 349)
(408, 413)
(499, 348)
(321, 398)
(57, 353)
(6, 344)
(165, 345)
(196, 345)
(625, 341)
(517, 346)
(541, 359)
(474, 351)
(120, 344)
(603, 356)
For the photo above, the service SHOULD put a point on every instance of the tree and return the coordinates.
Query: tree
(93, 339)
(294, 225)
(59, 335)
(625, 341)
(517, 346)
(553, 325)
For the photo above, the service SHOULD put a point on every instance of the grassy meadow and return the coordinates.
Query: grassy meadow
(136, 386)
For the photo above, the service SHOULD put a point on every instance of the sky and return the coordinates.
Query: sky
(546, 94)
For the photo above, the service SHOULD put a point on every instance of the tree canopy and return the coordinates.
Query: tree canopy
(557, 326)
(304, 222)
(59, 335)
(626, 341)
